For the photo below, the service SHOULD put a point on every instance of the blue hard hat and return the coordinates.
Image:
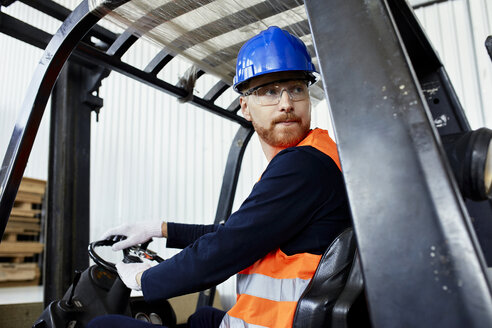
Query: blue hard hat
(273, 50)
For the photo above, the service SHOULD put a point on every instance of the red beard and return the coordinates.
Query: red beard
(277, 135)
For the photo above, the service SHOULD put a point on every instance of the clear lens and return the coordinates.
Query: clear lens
(272, 93)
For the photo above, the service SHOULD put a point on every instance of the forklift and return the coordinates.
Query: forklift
(419, 186)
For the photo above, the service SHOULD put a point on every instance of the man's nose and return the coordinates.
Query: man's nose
(285, 104)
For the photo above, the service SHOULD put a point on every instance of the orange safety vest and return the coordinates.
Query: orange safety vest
(268, 291)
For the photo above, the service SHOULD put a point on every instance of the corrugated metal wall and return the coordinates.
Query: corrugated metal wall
(153, 158)
(458, 30)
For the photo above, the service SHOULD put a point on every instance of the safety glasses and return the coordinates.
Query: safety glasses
(270, 94)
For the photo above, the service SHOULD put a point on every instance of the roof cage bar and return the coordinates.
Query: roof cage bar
(158, 62)
(59, 12)
(34, 36)
(148, 22)
(50, 8)
(22, 31)
(145, 23)
(105, 60)
(122, 44)
(234, 106)
(215, 92)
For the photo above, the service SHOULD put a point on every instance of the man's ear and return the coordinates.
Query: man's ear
(243, 102)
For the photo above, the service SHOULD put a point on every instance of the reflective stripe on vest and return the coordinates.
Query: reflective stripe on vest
(268, 290)
(280, 290)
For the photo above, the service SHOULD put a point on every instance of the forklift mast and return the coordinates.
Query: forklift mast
(422, 262)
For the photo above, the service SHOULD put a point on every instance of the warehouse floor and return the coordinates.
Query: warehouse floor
(14, 295)
(20, 306)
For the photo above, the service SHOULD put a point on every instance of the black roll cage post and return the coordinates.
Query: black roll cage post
(410, 220)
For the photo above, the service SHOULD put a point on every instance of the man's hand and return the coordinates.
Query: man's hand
(131, 273)
(136, 233)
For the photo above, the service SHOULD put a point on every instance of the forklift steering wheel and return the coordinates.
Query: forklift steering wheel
(134, 254)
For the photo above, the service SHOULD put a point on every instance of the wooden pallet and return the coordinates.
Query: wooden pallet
(20, 243)
(19, 274)
(31, 190)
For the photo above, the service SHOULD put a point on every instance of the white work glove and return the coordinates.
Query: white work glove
(128, 273)
(136, 233)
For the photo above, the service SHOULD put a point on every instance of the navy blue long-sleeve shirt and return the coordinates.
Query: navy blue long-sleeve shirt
(299, 205)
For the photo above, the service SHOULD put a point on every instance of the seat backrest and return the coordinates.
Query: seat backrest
(350, 308)
(315, 306)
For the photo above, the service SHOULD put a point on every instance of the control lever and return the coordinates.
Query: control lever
(146, 244)
(76, 279)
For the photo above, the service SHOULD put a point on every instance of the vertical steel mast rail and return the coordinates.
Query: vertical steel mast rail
(421, 262)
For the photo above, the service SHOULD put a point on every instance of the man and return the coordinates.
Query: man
(275, 240)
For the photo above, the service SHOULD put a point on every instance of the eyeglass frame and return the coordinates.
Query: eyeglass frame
(252, 90)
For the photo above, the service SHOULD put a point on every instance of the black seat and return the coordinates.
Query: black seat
(352, 301)
(335, 286)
